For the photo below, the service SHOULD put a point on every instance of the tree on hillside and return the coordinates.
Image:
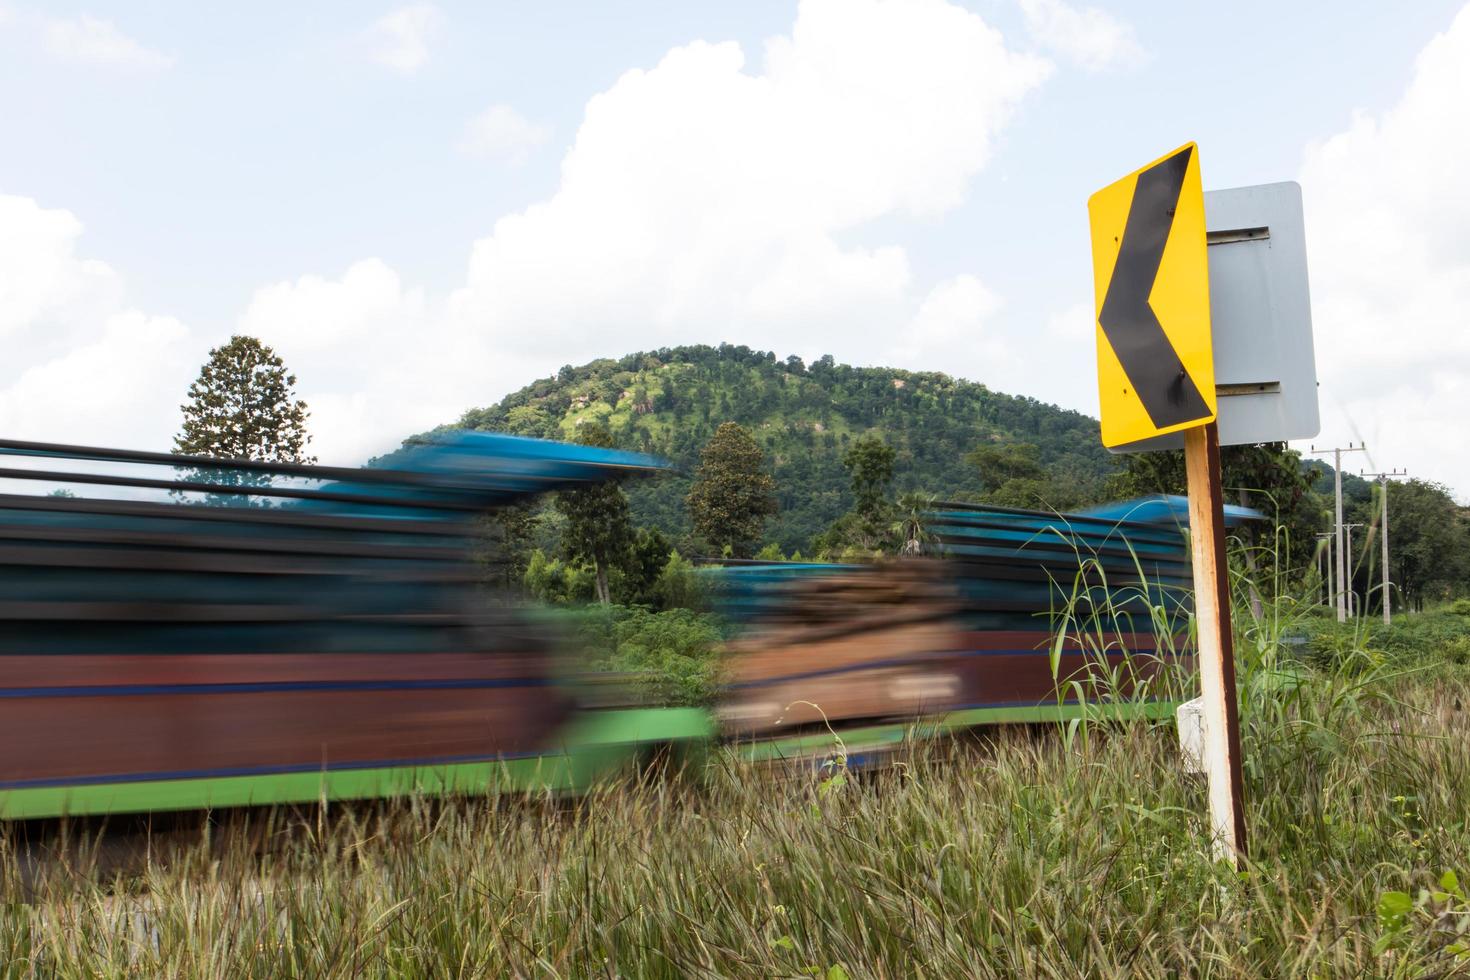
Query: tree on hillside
(507, 538)
(805, 418)
(648, 556)
(529, 420)
(1011, 475)
(598, 528)
(1428, 543)
(243, 405)
(913, 509)
(732, 493)
(869, 462)
(870, 465)
(999, 463)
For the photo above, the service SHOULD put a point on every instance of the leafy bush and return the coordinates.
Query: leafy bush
(1416, 638)
(655, 577)
(636, 582)
(553, 581)
(1461, 607)
(678, 586)
(771, 552)
(1438, 918)
(671, 655)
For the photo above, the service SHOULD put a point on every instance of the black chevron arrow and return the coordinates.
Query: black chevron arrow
(1167, 392)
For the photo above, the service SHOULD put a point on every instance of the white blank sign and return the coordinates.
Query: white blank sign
(1260, 318)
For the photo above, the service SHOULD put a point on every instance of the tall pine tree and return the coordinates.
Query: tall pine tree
(243, 405)
(732, 493)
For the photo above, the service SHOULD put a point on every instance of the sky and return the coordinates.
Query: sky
(425, 206)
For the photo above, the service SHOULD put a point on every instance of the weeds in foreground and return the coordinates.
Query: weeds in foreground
(1320, 707)
(1016, 856)
(1012, 854)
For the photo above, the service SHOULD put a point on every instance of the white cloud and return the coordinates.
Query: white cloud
(501, 133)
(316, 314)
(400, 40)
(953, 316)
(88, 40)
(44, 287)
(1058, 362)
(107, 390)
(1388, 225)
(83, 367)
(374, 361)
(1092, 38)
(701, 201)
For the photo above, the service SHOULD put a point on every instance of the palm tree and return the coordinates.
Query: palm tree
(913, 507)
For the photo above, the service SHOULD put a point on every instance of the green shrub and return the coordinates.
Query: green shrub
(672, 656)
(1461, 607)
(557, 582)
(678, 585)
(1413, 639)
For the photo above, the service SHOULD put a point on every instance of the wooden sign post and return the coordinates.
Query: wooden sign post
(1156, 376)
(1215, 644)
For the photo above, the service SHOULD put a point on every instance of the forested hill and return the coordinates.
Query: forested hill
(670, 401)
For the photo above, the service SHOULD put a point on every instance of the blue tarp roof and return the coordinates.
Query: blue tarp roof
(445, 471)
(513, 465)
(1165, 509)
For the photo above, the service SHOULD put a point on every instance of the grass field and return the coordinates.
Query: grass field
(1065, 852)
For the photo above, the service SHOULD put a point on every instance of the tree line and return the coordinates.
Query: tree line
(804, 418)
(868, 465)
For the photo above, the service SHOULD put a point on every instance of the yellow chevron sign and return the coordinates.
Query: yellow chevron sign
(1155, 358)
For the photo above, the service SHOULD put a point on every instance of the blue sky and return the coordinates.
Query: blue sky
(905, 184)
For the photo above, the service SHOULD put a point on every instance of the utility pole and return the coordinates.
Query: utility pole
(1337, 519)
(1387, 586)
(1352, 597)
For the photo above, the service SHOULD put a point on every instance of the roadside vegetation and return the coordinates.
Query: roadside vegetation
(824, 430)
(1074, 850)
(1033, 853)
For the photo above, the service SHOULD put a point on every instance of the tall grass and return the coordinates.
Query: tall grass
(1014, 853)
(1095, 615)
(1011, 856)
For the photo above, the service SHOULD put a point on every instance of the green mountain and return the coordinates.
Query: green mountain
(669, 402)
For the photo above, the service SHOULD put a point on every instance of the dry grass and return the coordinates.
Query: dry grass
(1020, 856)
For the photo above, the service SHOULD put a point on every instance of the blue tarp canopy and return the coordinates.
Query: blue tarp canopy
(442, 472)
(1162, 508)
(156, 553)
